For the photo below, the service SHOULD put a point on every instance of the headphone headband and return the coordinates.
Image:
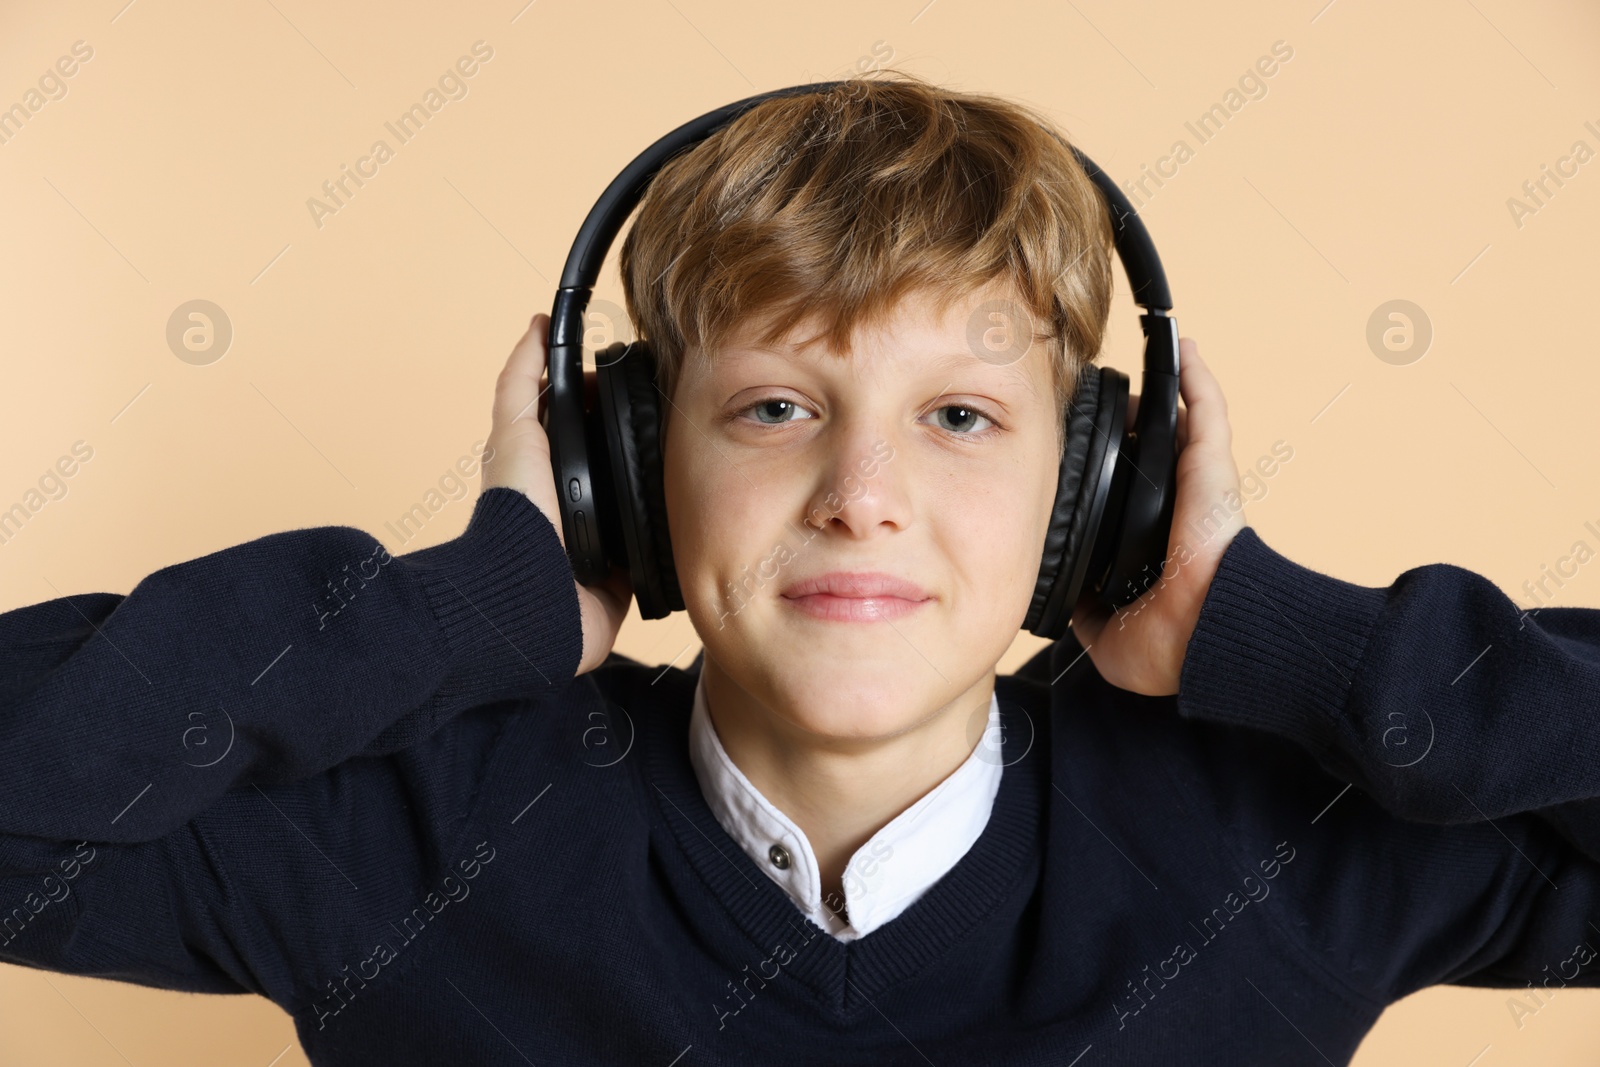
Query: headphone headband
(1146, 277)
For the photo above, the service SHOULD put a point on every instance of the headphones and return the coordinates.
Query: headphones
(1112, 518)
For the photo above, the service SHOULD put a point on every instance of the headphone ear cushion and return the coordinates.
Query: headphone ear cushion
(1065, 537)
(631, 406)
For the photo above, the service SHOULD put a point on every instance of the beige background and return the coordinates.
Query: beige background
(178, 164)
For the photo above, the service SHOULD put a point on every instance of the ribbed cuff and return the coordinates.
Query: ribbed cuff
(1277, 645)
(504, 596)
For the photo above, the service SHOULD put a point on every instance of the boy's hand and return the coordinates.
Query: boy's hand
(518, 457)
(1141, 647)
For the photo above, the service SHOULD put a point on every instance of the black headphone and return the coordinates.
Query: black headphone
(1109, 529)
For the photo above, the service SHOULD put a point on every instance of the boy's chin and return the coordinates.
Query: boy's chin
(868, 712)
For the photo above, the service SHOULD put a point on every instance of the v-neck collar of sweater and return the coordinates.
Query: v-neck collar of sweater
(887, 873)
(848, 975)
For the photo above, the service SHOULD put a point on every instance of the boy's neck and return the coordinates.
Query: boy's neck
(840, 793)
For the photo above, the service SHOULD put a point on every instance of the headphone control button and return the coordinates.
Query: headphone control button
(574, 490)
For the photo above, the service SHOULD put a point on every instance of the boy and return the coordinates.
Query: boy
(446, 824)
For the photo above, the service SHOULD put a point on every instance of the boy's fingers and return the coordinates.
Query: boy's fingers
(1207, 421)
(516, 393)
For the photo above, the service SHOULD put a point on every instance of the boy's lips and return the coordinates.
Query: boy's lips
(855, 596)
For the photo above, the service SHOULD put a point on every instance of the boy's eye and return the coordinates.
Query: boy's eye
(776, 410)
(961, 419)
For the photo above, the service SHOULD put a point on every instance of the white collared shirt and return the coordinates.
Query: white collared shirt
(888, 873)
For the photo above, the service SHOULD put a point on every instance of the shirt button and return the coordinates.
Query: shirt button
(779, 857)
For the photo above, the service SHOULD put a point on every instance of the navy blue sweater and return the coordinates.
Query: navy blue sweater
(371, 789)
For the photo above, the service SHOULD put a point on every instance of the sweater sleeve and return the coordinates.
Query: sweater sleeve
(301, 672)
(1472, 731)
(122, 717)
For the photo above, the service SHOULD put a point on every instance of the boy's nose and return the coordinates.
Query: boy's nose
(860, 490)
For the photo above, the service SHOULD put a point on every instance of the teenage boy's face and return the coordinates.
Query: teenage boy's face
(911, 457)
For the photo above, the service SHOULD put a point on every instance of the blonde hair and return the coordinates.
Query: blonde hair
(841, 203)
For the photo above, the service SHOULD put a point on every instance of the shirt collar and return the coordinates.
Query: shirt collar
(888, 873)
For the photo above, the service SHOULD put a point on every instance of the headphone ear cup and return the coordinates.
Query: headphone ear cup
(630, 409)
(1093, 426)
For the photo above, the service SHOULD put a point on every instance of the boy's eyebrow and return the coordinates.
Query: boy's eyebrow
(1013, 374)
